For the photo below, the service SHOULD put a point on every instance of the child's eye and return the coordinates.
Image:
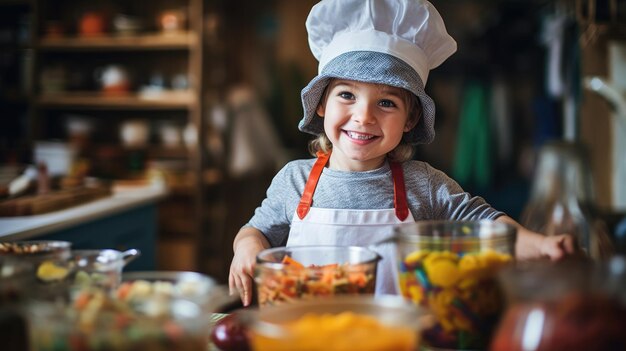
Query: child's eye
(387, 103)
(346, 95)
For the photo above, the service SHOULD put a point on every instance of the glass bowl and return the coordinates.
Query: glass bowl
(149, 311)
(285, 274)
(196, 287)
(48, 260)
(451, 268)
(337, 323)
(36, 251)
(565, 305)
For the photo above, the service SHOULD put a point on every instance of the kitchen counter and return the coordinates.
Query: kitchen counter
(127, 219)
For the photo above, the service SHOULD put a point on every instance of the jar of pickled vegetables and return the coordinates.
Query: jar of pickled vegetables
(451, 267)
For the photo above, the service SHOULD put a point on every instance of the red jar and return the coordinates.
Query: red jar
(92, 24)
(567, 306)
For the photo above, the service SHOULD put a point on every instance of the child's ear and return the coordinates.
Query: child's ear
(321, 110)
(410, 124)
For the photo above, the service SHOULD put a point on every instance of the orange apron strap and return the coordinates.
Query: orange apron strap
(307, 196)
(399, 191)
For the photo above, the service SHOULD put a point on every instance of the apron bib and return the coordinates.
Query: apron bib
(345, 227)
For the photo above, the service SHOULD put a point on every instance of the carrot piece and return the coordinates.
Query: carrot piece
(357, 278)
(82, 300)
(123, 290)
(291, 262)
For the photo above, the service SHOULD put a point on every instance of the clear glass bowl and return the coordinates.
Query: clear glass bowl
(196, 287)
(36, 251)
(149, 311)
(286, 274)
(47, 259)
(563, 306)
(451, 268)
(338, 323)
(98, 268)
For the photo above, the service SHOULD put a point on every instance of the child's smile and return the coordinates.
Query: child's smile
(360, 137)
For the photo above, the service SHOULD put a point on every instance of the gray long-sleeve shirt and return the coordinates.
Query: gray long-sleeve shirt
(431, 195)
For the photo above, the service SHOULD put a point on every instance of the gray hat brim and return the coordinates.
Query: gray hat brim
(369, 67)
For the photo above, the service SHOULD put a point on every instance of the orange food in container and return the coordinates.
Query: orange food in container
(338, 323)
(287, 274)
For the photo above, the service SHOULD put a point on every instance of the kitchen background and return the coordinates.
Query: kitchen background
(203, 96)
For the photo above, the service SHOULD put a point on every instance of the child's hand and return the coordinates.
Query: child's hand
(531, 245)
(558, 246)
(248, 243)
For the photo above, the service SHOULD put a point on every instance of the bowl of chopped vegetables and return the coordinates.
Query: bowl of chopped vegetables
(337, 323)
(286, 274)
(148, 311)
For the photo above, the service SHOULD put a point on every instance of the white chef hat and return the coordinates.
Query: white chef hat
(393, 42)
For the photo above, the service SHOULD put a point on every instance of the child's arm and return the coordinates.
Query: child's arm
(534, 245)
(248, 243)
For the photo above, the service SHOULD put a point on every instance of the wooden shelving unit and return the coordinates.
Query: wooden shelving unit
(154, 41)
(143, 54)
(86, 100)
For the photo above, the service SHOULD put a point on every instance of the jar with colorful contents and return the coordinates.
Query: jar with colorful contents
(451, 267)
(563, 306)
(287, 274)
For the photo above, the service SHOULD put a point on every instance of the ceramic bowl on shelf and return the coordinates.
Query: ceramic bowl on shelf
(286, 274)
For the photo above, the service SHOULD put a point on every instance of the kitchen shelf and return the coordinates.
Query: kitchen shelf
(161, 101)
(157, 41)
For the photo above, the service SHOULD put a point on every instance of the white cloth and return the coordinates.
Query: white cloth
(411, 30)
(344, 227)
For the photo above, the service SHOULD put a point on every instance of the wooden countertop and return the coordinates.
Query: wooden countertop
(28, 227)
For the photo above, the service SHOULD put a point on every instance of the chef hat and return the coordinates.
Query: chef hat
(392, 42)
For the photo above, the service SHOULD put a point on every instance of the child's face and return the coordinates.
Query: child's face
(364, 122)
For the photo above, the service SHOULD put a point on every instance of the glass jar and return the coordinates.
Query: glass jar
(562, 198)
(450, 267)
(569, 306)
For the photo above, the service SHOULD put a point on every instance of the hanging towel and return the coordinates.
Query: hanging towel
(472, 161)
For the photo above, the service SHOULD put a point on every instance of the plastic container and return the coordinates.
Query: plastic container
(149, 311)
(337, 323)
(451, 267)
(570, 305)
(286, 274)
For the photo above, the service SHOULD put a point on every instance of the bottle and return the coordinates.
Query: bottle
(561, 200)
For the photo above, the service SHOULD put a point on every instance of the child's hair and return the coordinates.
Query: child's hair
(403, 152)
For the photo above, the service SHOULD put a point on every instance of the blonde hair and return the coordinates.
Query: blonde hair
(403, 152)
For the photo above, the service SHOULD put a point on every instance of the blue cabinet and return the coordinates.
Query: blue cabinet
(134, 228)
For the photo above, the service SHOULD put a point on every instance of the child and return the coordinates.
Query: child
(368, 108)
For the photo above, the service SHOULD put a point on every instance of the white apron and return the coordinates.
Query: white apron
(325, 226)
